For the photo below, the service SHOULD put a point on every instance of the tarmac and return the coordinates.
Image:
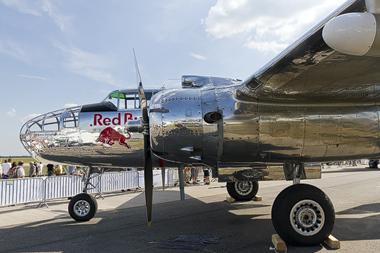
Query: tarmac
(120, 224)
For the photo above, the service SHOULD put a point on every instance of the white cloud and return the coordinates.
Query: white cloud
(29, 117)
(39, 8)
(27, 7)
(69, 105)
(95, 67)
(12, 113)
(62, 21)
(197, 56)
(14, 49)
(33, 77)
(269, 25)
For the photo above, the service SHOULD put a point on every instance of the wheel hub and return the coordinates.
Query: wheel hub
(307, 217)
(244, 188)
(81, 208)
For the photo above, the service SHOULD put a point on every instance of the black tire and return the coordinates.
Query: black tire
(373, 164)
(303, 215)
(243, 190)
(83, 207)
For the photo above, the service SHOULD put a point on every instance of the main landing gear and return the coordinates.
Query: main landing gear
(303, 214)
(243, 190)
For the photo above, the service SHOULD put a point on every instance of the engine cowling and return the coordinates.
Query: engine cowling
(354, 34)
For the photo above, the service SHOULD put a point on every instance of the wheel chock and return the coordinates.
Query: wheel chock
(332, 242)
(278, 243)
(230, 199)
(257, 198)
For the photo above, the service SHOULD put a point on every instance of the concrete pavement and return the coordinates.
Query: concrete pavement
(120, 224)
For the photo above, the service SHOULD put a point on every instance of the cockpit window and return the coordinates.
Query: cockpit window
(112, 97)
(126, 100)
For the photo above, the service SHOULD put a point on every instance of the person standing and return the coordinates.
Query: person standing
(32, 169)
(39, 169)
(58, 170)
(12, 172)
(207, 176)
(6, 167)
(1, 169)
(71, 169)
(78, 171)
(50, 169)
(20, 170)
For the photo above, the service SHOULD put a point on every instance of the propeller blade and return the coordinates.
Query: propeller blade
(148, 178)
(148, 170)
(163, 178)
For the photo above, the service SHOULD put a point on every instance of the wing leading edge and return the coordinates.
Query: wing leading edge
(309, 71)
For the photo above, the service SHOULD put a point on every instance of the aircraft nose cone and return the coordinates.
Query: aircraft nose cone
(42, 132)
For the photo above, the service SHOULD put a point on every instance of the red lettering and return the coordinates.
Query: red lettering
(97, 119)
(107, 121)
(127, 116)
(116, 120)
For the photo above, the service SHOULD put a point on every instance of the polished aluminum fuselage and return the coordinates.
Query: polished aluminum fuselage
(258, 132)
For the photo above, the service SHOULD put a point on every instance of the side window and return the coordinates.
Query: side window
(70, 118)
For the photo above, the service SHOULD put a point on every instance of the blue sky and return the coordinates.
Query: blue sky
(59, 53)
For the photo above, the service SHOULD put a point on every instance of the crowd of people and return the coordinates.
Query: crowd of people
(11, 169)
(191, 174)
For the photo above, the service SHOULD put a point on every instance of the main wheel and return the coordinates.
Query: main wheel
(83, 207)
(303, 215)
(243, 190)
(373, 164)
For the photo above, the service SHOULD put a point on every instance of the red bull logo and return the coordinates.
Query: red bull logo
(99, 120)
(109, 136)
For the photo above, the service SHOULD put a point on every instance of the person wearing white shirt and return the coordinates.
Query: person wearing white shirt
(20, 170)
(39, 169)
(6, 166)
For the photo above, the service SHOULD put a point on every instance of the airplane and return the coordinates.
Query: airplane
(317, 101)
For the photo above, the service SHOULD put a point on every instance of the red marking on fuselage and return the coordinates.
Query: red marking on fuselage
(110, 136)
(160, 162)
(99, 120)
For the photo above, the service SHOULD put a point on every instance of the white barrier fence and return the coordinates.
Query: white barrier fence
(25, 190)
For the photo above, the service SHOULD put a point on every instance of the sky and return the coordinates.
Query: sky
(62, 53)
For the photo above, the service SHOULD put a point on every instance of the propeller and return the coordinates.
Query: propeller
(148, 170)
(163, 178)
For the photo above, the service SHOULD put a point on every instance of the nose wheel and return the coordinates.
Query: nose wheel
(303, 215)
(83, 207)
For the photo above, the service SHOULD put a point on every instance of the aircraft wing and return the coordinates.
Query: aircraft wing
(309, 71)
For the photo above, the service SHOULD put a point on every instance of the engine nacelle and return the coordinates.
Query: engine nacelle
(354, 34)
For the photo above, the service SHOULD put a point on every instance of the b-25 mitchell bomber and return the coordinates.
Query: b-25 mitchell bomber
(317, 101)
